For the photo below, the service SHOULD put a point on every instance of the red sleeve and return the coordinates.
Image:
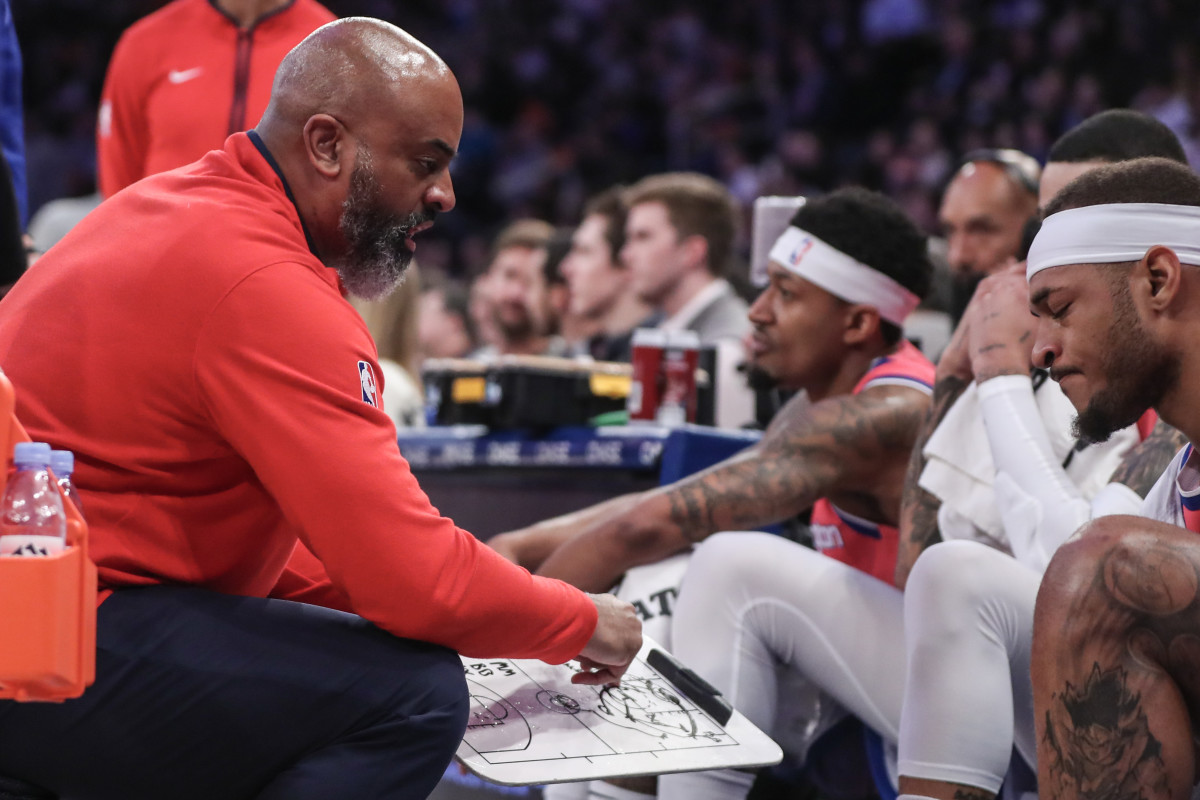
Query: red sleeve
(277, 369)
(120, 130)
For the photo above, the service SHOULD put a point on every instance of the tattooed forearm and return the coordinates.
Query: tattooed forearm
(841, 444)
(692, 506)
(1143, 465)
(919, 508)
(856, 443)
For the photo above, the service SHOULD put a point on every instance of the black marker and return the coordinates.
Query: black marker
(692, 686)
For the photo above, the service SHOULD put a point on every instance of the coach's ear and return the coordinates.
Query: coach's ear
(328, 147)
(1159, 276)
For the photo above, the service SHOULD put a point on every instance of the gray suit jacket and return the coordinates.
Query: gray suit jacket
(723, 318)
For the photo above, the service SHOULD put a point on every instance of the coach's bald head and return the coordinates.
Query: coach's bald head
(363, 121)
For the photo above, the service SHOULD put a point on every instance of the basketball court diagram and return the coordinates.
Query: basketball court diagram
(526, 711)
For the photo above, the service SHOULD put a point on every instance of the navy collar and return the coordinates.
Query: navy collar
(257, 141)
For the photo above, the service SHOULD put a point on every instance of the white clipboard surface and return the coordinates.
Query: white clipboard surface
(529, 724)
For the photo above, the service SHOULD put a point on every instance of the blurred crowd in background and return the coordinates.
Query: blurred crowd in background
(567, 97)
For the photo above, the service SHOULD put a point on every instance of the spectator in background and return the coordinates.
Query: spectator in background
(679, 240)
(568, 325)
(479, 307)
(444, 325)
(600, 293)
(984, 214)
(519, 292)
(187, 76)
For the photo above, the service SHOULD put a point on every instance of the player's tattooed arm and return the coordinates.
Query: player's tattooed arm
(1115, 670)
(919, 508)
(1099, 742)
(842, 443)
(1144, 463)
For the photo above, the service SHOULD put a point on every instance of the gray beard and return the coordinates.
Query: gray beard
(377, 254)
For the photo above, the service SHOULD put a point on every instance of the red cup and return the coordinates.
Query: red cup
(680, 360)
(648, 346)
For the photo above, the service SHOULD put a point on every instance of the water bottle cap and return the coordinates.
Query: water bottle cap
(31, 454)
(62, 462)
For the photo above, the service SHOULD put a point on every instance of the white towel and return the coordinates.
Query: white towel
(959, 470)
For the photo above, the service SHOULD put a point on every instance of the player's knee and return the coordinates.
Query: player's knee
(1074, 567)
(957, 576)
(729, 559)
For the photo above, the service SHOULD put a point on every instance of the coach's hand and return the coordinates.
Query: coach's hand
(617, 639)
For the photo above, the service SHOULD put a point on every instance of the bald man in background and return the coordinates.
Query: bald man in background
(240, 472)
(983, 215)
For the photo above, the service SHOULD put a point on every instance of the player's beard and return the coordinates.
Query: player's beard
(1138, 372)
(377, 253)
(759, 380)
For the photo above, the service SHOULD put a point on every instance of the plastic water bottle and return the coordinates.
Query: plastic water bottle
(62, 464)
(32, 521)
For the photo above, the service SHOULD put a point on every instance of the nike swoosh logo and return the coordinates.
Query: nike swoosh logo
(184, 75)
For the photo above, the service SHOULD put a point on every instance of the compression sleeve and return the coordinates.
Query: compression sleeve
(1038, 503)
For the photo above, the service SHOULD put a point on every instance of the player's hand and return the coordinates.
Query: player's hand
(1001, 327)
(955, 360)
(616, 640)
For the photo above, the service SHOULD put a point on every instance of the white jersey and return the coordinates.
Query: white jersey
(1175, 497)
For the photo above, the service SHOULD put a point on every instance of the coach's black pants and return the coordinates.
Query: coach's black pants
(215, 697)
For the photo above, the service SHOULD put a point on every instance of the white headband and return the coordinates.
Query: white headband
(837, 273)
(1114, 233)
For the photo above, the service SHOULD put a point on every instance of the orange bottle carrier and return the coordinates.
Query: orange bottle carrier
(47, 604)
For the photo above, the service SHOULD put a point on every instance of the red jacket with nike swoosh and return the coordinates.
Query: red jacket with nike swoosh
(218, 392)
(184, 78)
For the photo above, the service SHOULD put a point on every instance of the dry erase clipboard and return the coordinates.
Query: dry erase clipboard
(529, 724)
